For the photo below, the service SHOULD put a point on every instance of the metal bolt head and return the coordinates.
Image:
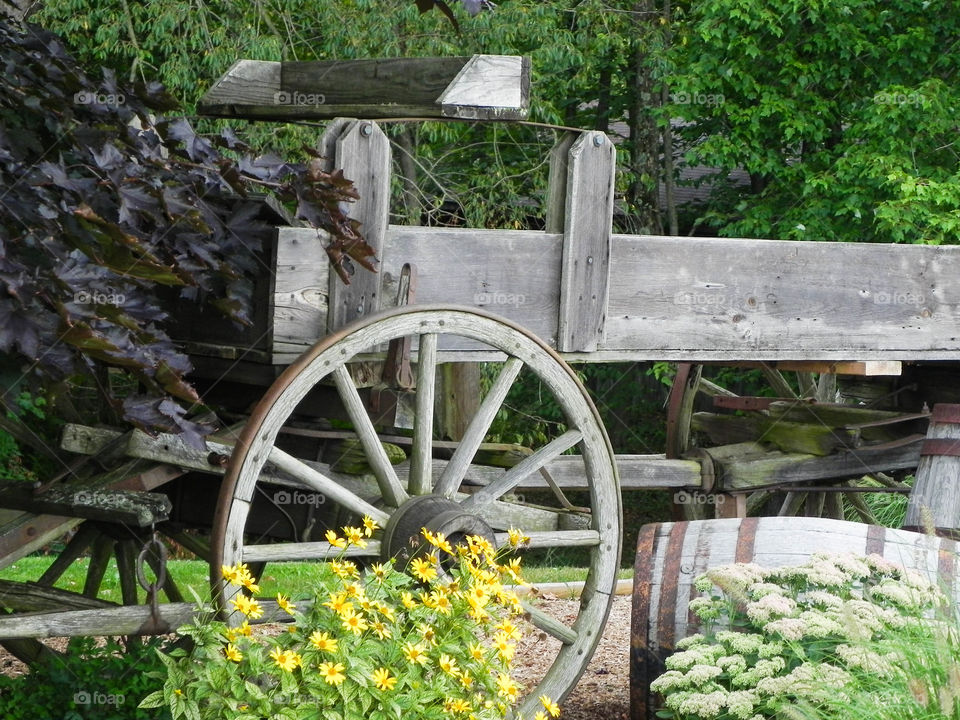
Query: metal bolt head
(366, 129)
(598, 139)
(590, 260)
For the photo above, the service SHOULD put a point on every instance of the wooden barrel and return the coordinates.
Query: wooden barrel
(671, 556)
(935, 498)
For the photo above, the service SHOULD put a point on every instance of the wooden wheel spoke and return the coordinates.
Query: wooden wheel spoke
(86, 534)
(390, 487)
(456, 468)
(564, 633)
(531, 464)
(559, 538)
(778, 382)
(278, 552)
(126, 554)
(421, 454)
(316, 480)
(99, 558)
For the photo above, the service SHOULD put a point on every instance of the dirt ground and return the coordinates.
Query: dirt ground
(603, 691)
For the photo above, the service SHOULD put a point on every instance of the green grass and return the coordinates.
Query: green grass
(294, 579)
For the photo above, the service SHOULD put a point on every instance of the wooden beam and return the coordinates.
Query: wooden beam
(776, 468)
(869, 368)
(585, 259)
(767, 309)
(89, 502)
(481, 87)
(810, 437)
(363, 153)
(32, 597)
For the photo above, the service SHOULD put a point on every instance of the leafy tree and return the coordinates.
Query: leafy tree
(843, 114)
(104, 204)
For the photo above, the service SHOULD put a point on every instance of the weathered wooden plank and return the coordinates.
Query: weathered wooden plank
(363, 153)
(810, 437)
(777, 468)
(21, 533)
(301, 290)
(482, 87)
(489, 87)
(935, 500)
(89, 502)
(719, 298)
(32, 597)
(515, 274)
(869, 368)
(770, 309)
(585, 259)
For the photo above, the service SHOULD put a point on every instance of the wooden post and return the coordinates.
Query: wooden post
(581, 202)
(935, 500)
(458, 398)
(363, 152)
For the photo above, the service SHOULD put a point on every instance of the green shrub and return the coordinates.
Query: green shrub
(105, 681)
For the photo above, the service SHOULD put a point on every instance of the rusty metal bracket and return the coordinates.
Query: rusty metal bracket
(155, 624)
(396, 370)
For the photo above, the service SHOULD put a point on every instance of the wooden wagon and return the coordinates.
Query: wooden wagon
(378, 351)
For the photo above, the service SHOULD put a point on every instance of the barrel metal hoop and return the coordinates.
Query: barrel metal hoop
(946, 413)
(946, 447)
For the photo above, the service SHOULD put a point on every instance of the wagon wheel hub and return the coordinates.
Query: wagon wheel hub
(402, 537)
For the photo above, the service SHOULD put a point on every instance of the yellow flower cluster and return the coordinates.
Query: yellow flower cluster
(388, 631)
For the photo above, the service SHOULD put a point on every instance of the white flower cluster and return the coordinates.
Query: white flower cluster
(776, 636)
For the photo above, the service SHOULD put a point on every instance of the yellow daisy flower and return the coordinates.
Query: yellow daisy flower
(442, 603)
(415, 653)
(344, 569)
(334, 540)
(423, 570)
(353, 622)
(382, 631)
(476, 651)
(245, 629)
(550, 706)
(379, 571)
(507, 688)
(517, 538)
(509, 629)
(248, 606)
(369, 525)
(285, 659)
(231, 574)
(383, 680)
(407, 599)
(385, 610)
(354, 536)
(285, 604)
(233, 653)
(338, 603)
(332, 673)
(428, 633)
(448, 665)
(323, 642)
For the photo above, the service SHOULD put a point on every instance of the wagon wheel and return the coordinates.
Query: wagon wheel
(682, 441)
(400, 506)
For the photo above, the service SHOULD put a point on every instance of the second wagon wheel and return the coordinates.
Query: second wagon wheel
(746, 428)
(399, 505)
